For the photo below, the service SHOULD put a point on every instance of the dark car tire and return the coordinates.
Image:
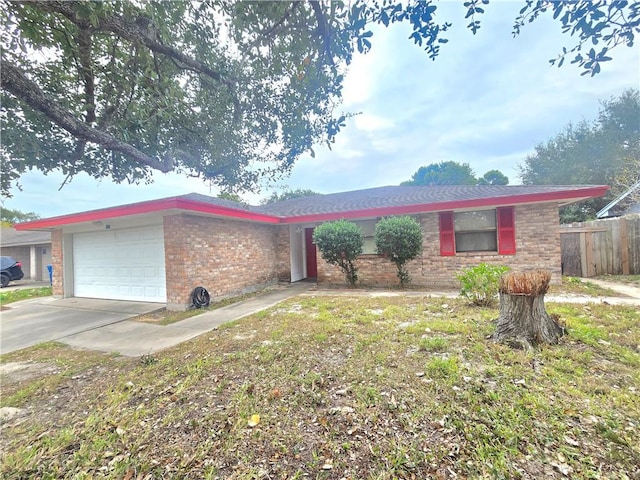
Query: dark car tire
(4, 280)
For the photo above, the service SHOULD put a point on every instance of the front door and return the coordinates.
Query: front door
(312, 264)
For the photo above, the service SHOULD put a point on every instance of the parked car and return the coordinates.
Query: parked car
(10, 270)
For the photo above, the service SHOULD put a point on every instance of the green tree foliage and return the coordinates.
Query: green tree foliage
(628, 177)
(288, 195)
(234, 197)
(340, 243)
(493, 177)
(591, 153)
(454, 173)
(443, 173)
(231, 92)
(400, 240)
(8, 216)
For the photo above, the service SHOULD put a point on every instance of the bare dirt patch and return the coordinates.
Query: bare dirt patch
(153, 317)
(14, 372)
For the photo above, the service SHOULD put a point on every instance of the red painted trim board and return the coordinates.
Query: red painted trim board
(194, 206)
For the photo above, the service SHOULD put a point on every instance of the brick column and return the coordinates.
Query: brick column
(57, 261)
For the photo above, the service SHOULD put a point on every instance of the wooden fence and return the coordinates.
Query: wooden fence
(600, 247)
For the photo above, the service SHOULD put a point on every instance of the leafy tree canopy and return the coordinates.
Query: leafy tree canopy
(603, 151)
(443, 173)
(493, 177)
(234, 197)
(454, 173)
(288, 195)
(231, 92)
(8, 216)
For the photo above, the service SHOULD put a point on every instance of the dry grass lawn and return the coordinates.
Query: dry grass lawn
(338, 388)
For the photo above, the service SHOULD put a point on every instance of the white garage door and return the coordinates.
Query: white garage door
(123, 264)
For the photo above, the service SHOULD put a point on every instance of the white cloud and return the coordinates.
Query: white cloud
(372, 123)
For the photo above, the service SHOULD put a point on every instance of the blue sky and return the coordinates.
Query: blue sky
(487, 100)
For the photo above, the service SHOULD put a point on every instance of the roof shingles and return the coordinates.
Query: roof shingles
(370, 202)
(401, 196)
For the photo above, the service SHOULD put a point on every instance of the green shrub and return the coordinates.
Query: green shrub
(399, 239)
(340, 243)
(480, 283)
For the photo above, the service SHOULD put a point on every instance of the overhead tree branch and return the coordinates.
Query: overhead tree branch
(112, 93)
(268, 32)
(139, 34)
(323, 30)
(16, 83)
(86, 67)
(287, 14)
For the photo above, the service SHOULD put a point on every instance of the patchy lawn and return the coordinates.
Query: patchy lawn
(338, 387)
(166, 317)
(581, 286)
(570, 286)
(11, 296)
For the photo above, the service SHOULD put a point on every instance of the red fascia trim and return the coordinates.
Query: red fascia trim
(226, 211)
(189, 205)
(454, 205)
(103, 214)
(145, 207)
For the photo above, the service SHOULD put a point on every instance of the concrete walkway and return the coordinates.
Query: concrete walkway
(132, 338)
(623, 288)
(630, 294)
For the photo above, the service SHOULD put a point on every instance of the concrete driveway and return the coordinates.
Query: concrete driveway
(27, 323)
(23, 284)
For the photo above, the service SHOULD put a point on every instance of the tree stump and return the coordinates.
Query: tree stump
(523, 320)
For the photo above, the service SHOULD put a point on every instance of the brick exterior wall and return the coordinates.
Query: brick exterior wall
(226, 257)
(283, 253)
(537, 246)
(230, 257)
(57, 262)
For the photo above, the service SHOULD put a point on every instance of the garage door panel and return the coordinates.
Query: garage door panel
(120, 264)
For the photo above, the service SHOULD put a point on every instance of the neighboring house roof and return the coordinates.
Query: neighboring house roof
(371, 202)
(635, 208)
(10, 237)
(610, 211)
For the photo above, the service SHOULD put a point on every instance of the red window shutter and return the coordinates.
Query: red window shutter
(506, 231)
(447, 235)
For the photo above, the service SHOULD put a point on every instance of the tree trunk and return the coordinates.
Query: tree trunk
(523, 320)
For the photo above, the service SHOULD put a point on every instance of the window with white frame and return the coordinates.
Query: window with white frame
(368, 228)
(476, 231)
